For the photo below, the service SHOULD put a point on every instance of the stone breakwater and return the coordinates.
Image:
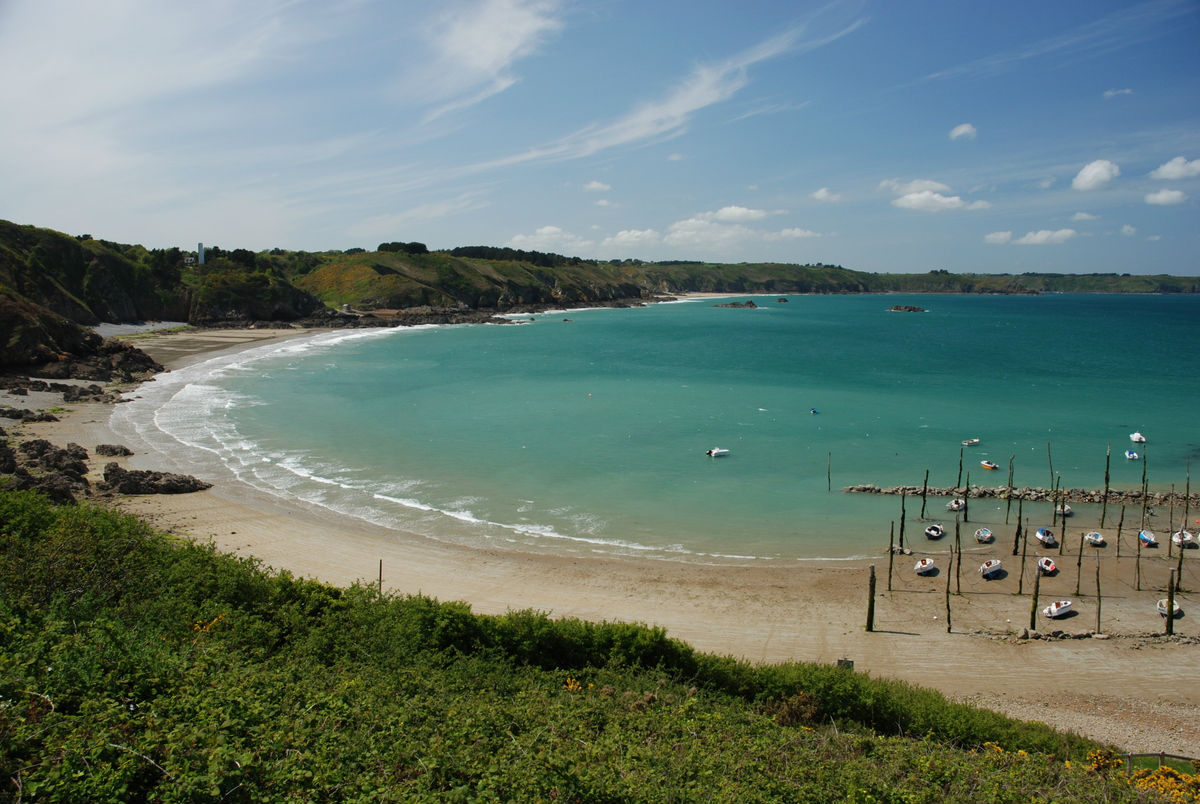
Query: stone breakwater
(1115, 496)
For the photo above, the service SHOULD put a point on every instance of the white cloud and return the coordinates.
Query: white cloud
(702, 233)
(1112, 93)
(929, 201)
(1084, 216)
(551, 238)
(824, 194)
(1177, 168)
(674, 157)
(997, 237)
(1046, 184)
(1166, 197)
(797, 234)
(963, 131)
(604, 202)
(1154, 238)
(1095, 175)
(735, 214)
(597, 187)
(1128, 230)
(1045, 237)
(914, 186)
(632, 238)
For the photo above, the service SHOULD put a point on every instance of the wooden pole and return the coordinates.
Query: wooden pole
(1050, 458)
(1024, 549)
(902, 522)
(957, 559)
(381, 577)
(924, 489)
(1171, 604)
(891, 553)
(1099, 597)
(1120, 524)
(1037, 588)
(1137, 575)
(1179, 569)
(871, 601)
(1079, 565)
(1062, 533)
(966, 498)
(1107, 463)
(948, 598)
(1017, 535)
(960, 457)
(1171, 522)
(829, 472)
(1008, 504)
(1187, 498)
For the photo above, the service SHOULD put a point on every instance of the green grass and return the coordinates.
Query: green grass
(139, 667)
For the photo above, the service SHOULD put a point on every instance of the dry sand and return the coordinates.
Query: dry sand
(1134, 689)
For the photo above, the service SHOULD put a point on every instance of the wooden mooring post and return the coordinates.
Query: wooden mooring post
(1037, 588)
(1171, 604)
(871, 601)
(891, 553)
(1104, 502)
(924, 490)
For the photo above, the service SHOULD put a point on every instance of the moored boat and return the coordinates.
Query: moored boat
(990, 567)
(1131, 455)
(1046, 565)
(989, 465)
(1046, 537)
(1095, 538)
(1057, 609)
(1062, 509)
(934, 531)
(1137, 438)
(1175, 610)
(970, 442)
(1183, 538)
(717, 452)
(923, 566)
(1146, 537)
(957, 504)
(983, 536)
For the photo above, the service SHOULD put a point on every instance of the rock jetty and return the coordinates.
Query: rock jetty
(1115, 496)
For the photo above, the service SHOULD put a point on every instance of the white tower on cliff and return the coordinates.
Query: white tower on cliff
(200, 253)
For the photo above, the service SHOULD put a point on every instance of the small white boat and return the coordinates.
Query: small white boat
(1162, 608)
(990, 567)
(1130, 455)
(983, 536)
(934, 531)
(1057, 609)
(989, 465)
(956, 504)
(1146, 537)
(923, 566)
(1183, 538)
(1137, 438)
(970, 442)
(1046, 565)
(1095, 539)
(1046, 537)
(1062, 509)
(716, 452)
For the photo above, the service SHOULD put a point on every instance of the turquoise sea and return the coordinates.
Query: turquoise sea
(585, 431)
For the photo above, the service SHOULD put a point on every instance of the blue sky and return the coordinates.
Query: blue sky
(883, 136)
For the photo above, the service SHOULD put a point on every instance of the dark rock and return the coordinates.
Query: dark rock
(906, 308)
(138, 481)
(746, 305)
(111, 450)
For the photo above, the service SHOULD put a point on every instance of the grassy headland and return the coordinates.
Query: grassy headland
(139, 667)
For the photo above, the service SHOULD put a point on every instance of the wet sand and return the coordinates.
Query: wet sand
(1135, 688)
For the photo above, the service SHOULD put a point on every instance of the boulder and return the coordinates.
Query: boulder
(111, 450)
(139, 481)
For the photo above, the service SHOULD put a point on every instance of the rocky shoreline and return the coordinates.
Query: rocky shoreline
(1116, 497)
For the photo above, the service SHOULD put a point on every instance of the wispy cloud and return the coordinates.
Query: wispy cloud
(1112, 93)
(1107, 34)
(926, 195)
(597, 187)
(825, 194)
(1166, 197)
(475, 46)
(1042, 237)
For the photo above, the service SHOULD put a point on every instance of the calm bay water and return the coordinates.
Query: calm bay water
(589, 434)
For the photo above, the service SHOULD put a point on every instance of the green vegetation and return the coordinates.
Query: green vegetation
(136, 667)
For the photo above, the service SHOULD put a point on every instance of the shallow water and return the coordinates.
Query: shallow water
(589, 434)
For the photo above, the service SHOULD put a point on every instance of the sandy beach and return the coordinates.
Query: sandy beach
(1134, 688)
